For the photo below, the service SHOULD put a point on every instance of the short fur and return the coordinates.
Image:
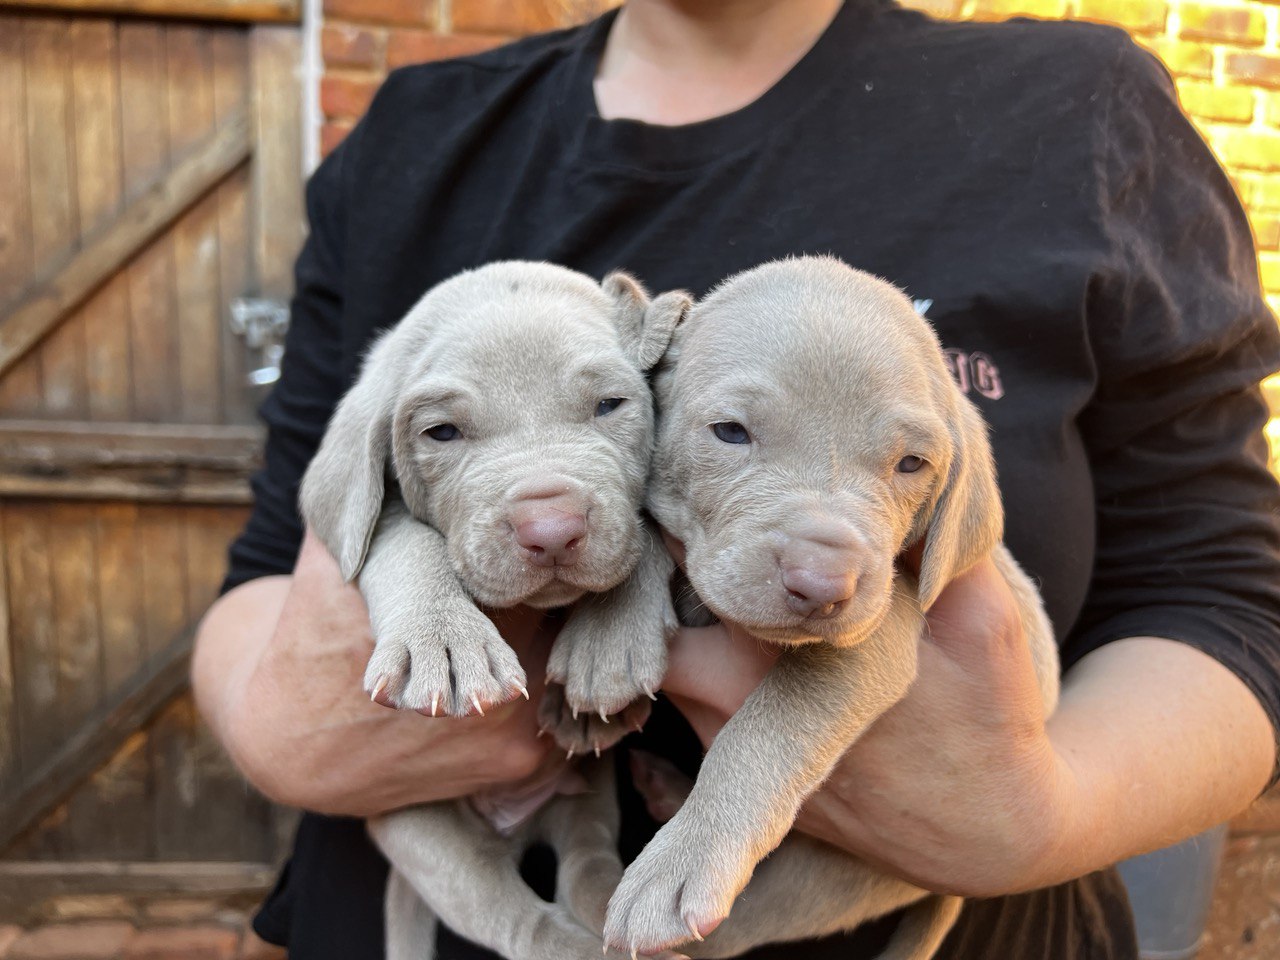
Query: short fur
(518, 357)
(836, 379)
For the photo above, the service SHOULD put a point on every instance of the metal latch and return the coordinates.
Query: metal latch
(262, 323)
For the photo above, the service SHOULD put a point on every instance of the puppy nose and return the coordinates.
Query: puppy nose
(817, 595)
(549, 536)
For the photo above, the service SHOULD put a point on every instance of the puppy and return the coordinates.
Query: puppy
(808, 433)
(510, 408)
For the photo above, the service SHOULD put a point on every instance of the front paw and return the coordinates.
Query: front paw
(680, 888)
(579, 732)
(610, 654)
(451, 663)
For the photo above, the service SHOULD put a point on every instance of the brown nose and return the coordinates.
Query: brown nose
(818, 595)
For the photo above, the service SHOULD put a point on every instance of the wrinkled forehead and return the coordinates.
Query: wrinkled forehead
(526, 337)
(830, 340)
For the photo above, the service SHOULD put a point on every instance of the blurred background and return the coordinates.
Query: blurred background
(152, 156)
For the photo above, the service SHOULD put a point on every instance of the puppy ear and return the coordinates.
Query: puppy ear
(644, 325)
(968, 518)
(342, 491)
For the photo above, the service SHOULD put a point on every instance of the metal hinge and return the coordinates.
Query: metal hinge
(262, 323)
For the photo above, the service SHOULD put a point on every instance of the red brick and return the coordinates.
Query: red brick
(347, 97)
(1202, 21)
(252, 947)
(525, 16)
(183, 943)
(9, 935)
(942, 9)
(342, 45)
(418, 46)
(1248, 149)
(1222, 104)
(73, 941)
(1255, 68)
(1003, 9)
(418, 13)
(1182, 58)
(1142, 16)
(1266, 231)
(332, 134)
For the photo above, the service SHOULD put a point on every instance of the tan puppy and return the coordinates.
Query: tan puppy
(808, 433)
(510, 407)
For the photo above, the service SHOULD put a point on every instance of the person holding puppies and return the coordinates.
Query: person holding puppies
(1037, 191)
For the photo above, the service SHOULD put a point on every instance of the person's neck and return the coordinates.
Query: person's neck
(673, 62)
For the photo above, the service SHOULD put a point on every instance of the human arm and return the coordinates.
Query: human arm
(962, 787)
(278, 676)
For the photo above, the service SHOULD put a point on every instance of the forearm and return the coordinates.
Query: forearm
(277, 673)
(1159, 742)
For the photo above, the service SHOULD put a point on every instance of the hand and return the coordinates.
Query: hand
(956, 788)
(278, 675)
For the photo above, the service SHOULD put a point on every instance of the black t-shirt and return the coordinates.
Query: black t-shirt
(1032, 185)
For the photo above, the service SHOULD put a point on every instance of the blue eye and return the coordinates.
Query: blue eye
(607, 407)
(910, 464)
(443, 431)
(731, 432)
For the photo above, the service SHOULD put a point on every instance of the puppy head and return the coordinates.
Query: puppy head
(511, 407)
(808, 433)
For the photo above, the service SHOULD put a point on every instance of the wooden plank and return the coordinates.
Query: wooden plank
(145, 150)
(26, 888)
(189, 63)
(167, 463)
(105, 316)
(54, 212)
(278, 222)
(41, 308)
(73, 577)
(119, 592)
(20, 391)
(268, 11)
(46, 783)
(231, 93)
(8, 717)
(35, 649)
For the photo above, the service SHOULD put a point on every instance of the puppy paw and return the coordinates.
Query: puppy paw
(579, 732)
(607, 657)
(454, 664)
(680, 888)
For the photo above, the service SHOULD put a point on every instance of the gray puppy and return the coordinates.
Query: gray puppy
(808, 433)
(510, 406)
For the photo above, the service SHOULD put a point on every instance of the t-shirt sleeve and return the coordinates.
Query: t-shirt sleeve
(1187, 512)
(311, 382)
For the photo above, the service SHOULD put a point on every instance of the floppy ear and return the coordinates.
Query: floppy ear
(644, 325)
(968, 518)
(343, 489)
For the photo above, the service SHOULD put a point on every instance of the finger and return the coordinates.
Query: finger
(719, 664)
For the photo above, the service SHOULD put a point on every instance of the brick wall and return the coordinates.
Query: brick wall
(1225, 55)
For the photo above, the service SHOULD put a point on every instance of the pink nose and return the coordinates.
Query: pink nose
(550, 537)
(817, 595)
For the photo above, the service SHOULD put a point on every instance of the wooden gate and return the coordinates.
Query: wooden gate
(149, 175)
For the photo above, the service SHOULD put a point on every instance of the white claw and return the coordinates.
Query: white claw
(596, 746)
(574, 711)
(523, 690)
(475, 701)
(650, 694)
(435, 702)
(568, 754)
(378, 688)
(634, 951)
(693, 930)
(604, 717)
